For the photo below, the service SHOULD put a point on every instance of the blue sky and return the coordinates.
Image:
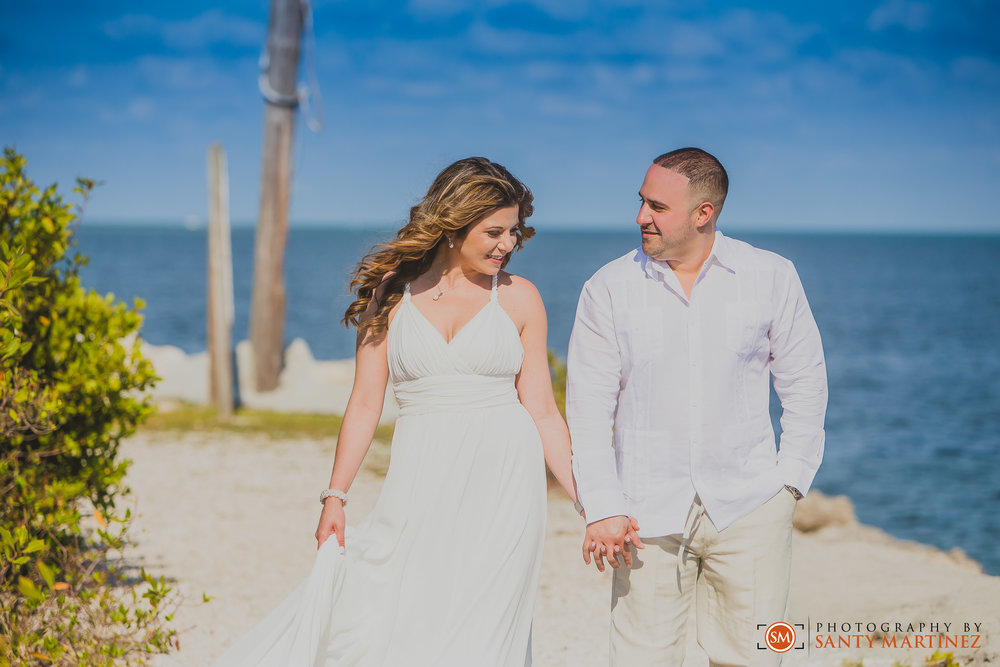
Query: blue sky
(873, 116)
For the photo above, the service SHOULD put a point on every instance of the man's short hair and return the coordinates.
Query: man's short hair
(706, 176)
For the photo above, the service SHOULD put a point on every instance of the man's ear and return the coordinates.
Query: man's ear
(703, 213)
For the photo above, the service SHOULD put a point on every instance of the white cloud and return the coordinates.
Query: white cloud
(620, 83)
(561, 106)
(140, 108)
(566, 11)
(687, 73)
(78, 77)
(438, 7)
(423, 89)
(642, 74)
(20, 94)
(131, 25)
(761, 37)
(215, 27)
(976, 70)
(544, 71)
(486, 39)
(205, 30)
(742, 36)
(687, 39)
(872, 66)
(192, 74)
(909, 14)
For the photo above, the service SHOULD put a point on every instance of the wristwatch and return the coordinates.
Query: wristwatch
(795, 492)
(578, 507)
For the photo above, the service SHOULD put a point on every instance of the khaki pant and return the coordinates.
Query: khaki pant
(737, 578)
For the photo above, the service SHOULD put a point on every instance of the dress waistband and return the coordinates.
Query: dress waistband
(447, 393)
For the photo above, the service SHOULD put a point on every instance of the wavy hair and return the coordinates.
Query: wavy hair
(464, 193)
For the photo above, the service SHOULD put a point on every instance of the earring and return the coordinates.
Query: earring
(451, 244)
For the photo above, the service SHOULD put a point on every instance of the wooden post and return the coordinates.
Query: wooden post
(267, 311)
(220, 285)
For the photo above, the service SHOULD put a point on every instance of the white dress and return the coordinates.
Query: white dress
(444, 570)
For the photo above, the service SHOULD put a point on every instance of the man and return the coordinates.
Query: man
(671, 351)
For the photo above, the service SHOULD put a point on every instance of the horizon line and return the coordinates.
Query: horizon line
(551, 226)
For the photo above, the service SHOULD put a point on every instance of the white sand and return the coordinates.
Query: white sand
(234, 518)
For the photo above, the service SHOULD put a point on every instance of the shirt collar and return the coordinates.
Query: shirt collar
(722, 254)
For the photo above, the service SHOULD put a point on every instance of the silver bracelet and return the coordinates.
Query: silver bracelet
(578, 507)
(339, 495)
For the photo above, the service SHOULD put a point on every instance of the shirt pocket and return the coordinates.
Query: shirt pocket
(644, 333)
(747, 324)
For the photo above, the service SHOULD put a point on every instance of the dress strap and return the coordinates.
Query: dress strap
(493, 290)
(406, 292)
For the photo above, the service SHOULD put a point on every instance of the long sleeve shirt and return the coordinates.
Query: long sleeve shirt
(668, 396)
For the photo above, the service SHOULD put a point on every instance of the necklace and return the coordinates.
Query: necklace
(440, 290)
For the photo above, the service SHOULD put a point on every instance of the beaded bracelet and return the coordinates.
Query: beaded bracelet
(339, 495)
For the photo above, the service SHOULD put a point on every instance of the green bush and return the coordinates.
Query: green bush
(70, 390)
(557, 371)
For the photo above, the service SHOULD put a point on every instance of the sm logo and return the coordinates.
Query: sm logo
(779, 637)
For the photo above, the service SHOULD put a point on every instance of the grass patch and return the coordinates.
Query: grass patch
(274, 425)
(186, 417)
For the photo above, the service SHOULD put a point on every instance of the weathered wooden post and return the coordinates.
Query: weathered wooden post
(220, 285)
(278, 84)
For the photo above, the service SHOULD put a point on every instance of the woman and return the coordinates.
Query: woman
(444, 569)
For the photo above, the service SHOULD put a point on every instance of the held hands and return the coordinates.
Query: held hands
(331, 522)
(611, 538)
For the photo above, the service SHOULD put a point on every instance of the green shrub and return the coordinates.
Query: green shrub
(942, 659)
(557, 370)
(70, 390)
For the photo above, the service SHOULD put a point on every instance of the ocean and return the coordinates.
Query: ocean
(909, 325)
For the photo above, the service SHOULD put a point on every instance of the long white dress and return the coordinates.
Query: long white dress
(444, 570)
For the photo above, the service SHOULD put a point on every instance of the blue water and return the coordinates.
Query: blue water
(909, 325)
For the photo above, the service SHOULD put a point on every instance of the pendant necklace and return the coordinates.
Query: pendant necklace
(451, 244)
(440, 289)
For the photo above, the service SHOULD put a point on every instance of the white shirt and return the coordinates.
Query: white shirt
(684, 384)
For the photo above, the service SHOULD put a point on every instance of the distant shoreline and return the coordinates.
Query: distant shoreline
(542, 226)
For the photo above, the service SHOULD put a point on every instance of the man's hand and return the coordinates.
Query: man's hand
(610, 538)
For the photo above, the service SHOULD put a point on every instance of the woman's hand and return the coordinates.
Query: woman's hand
(612, 538)
(331, 522)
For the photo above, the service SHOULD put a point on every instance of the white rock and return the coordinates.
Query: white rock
(304, 385)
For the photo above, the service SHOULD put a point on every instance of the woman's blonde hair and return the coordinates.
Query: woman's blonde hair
(464, 193)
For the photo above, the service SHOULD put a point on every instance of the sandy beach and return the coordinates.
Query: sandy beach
(233, 518)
